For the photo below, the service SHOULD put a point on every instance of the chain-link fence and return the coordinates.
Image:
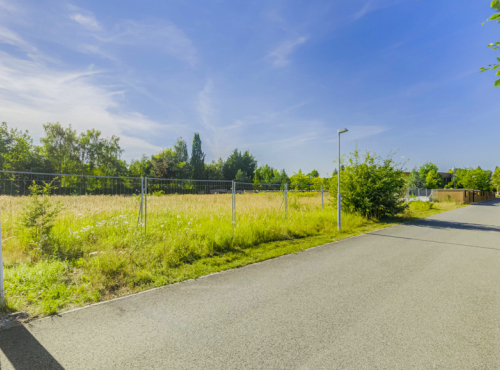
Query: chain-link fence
(156, 200)
(419, 194)
(19, 183)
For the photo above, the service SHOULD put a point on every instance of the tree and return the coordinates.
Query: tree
(495, 4)
(256, 177)
(237, 161)
(313, 174)
(280, 178)
(17, 152)
(495, 179)
(433, 180)
(299, 180)
(182, 167)
(242, 177)
(478, 178)
(164, 164)
(371, 187)
(213, 170)
(197, 159)
(61, 148)
(141, 167)
(415, 181)
(181, 150)
(424, 170)
(100, 156)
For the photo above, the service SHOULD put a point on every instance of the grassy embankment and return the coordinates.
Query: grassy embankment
(101, 253)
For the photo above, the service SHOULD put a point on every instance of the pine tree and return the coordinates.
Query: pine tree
(197, 159)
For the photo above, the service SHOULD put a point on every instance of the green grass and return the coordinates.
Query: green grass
(101, 254)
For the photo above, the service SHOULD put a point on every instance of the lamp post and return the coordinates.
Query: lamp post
(454, 175)
(341, 131)
(473, 186)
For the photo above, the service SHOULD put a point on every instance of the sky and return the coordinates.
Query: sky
(274, 77)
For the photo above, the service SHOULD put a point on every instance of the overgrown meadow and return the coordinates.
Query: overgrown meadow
(95, 249)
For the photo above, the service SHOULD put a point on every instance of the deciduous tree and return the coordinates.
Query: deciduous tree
(495, 4)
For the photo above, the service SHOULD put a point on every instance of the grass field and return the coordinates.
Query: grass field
(99, 251)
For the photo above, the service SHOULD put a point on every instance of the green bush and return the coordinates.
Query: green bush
(371, 187)
(38, 219)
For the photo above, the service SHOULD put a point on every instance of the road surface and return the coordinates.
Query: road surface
(424, 295)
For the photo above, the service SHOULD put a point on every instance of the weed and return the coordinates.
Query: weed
(188, 236)
(38, 218)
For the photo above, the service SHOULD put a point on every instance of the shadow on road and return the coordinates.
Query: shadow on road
(435, 241)
(491, 203)
(439, 224)
(24, 352)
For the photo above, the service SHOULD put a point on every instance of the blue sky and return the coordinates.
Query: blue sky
(275, 77)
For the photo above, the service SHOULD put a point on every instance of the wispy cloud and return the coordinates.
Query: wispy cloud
(164, 37)
(33, 93)
(372, 5)
(279, 56)
(361, 132)
(8, 6)
(9, 37)
(88, 21)
(364, 10)
(204, 105)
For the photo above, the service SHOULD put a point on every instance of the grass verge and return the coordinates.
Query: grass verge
(104, 256)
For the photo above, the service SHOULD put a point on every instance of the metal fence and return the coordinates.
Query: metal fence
(419, 194)
(19, 183)
(14, 183)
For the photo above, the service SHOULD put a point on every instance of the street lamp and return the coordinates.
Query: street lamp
(473, 186)
(341, 131)
(454, 175)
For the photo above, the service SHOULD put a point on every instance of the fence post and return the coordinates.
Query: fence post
(145, 205)
(322, 202)
(139, 217)
(233, 192)
(2, 292)
(286, 202)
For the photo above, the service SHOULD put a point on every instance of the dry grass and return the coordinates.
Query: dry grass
(102, 252)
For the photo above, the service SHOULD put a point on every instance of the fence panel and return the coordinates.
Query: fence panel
(160, 201)
(171, 203)
(19, 183)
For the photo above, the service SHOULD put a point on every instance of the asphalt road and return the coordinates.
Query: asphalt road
(424, 295)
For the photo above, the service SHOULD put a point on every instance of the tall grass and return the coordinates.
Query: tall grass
(101, 251)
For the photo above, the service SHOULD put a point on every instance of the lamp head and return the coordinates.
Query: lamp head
(342, 130)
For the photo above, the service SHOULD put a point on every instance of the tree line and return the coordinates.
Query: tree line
(428, 177)
(63, 150)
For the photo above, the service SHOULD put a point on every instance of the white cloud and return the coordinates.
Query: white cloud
(33, 93)
(361, 132)
(163, 36)
(88, 21)
(8, 6)
(372, 5)
(9, 37)
(367, 7)
(279, 56)
(204, 105)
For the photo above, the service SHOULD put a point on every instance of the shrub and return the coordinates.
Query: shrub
(38, 218)
(371, 187)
